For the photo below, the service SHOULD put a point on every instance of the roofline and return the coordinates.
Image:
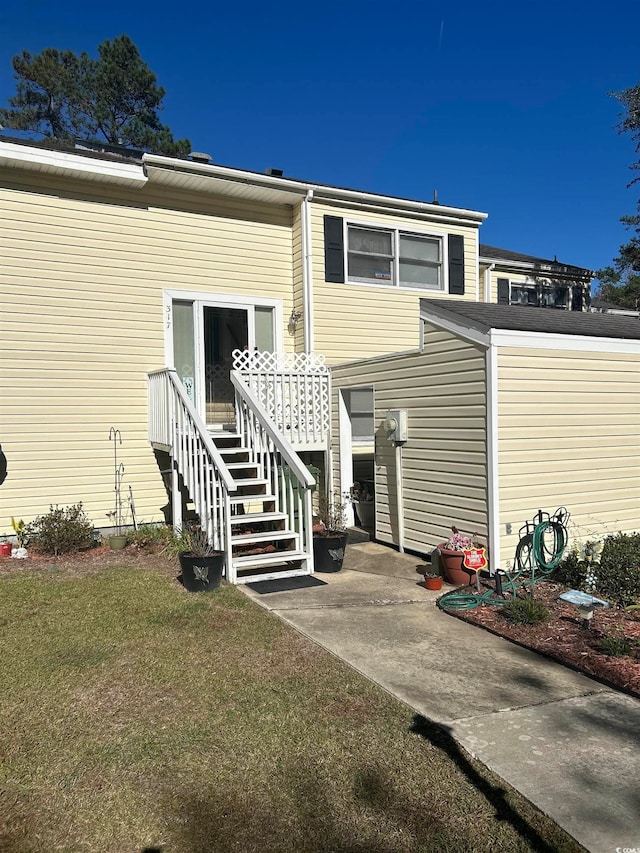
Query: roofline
(69, 163)
(488, 336)
(302, 188)
(543, 265)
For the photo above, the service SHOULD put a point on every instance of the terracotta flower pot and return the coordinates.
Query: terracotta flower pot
(433, 582)
(452, 565)
(5, 549)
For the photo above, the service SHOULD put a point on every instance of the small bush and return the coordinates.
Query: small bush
(150, 536)
(572, 571)
(62, 531)
(616, 645)
(525, 611)
(619, 569)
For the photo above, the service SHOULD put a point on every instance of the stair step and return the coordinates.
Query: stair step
(233, 451)
(250, 518)
(250, 481)
(252, 498)
(275, 558)
(242, 466)
(263, 536)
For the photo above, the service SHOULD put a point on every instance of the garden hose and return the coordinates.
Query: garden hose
(534, 551)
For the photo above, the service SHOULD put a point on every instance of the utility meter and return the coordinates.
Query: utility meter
(396, 425)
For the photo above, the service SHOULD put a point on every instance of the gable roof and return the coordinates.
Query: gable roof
(518, 259)
(484, 316)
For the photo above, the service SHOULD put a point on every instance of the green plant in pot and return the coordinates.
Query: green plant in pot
(201, 563)
(329, 535)
(362, 496)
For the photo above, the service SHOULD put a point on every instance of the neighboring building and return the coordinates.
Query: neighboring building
(511, 278)
(599, 306)
(222, 284)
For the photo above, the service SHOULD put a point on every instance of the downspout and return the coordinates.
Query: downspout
(487, 282)
(400, 497)
(493, 485)
(307, 272)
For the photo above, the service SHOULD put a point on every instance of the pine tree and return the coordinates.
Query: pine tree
(113, 99)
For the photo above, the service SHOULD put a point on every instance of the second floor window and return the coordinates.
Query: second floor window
(394, 258)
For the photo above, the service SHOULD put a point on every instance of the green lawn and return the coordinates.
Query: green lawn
(135, 715)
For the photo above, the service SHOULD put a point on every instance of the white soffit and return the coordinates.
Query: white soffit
(70, 165)
(233, 187)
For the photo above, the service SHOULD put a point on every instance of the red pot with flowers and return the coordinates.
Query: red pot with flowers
(455, 555)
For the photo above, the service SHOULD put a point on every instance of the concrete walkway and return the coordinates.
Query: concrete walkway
(566, 742)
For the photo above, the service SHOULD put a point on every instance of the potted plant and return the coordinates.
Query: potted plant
(452, 556)
(5, 547)
(201, 563)
(20, 529)
(329, 535)
(363, 498)
(432, 581)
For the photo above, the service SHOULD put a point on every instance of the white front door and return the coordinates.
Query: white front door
(204, 331)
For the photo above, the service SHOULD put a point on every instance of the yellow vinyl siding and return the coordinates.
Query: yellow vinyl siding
(82, 277)
(444, 460)
(569, 428)
(363, 321)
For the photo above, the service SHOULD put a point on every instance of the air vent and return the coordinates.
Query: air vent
(275, 173)
(200, 157)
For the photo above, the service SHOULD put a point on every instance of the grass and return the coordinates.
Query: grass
(135, 716)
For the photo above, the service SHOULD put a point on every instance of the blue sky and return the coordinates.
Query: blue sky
(501, 107)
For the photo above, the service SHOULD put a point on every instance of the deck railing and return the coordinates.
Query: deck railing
(288, 480)
(294, 390)
(175, 425)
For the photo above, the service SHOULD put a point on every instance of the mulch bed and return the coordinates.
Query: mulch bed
(563, 638)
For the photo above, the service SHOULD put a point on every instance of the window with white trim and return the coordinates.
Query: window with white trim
(395, 258)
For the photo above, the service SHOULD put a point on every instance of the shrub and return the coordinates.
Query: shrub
(150, 536)
(616, 645)
(619, 569)
(572, 571)
(525, 611)
(62, 530)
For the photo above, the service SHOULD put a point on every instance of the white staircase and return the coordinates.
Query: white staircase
(249, 489)
(264, 545)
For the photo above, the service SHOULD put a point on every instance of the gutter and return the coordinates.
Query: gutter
(289, 185)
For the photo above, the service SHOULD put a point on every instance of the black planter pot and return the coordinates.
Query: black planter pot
(328, 552)
(200, 574)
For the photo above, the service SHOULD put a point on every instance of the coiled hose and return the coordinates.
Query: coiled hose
(535, 550)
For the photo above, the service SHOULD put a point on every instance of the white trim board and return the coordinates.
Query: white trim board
(578, 343)
(69, 164)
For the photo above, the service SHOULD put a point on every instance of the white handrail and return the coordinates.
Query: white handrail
(295, 391)
(212, 450)
(284, 447)
(175, 424)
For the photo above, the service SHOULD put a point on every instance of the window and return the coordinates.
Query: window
(392, 257)
(359, 402)
(539, 295)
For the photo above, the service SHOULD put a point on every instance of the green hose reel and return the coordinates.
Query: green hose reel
(541, 546)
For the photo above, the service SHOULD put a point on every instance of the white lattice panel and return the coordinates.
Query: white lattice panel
(275, 362)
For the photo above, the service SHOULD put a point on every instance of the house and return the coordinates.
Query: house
(201, 311)
(510, 409)
(511, 278)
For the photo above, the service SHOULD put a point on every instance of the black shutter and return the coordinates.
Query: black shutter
(333, 249)
(503, 291)
(577, 298)
(456, 264)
